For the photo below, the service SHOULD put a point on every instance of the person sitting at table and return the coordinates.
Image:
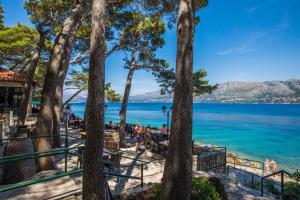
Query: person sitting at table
(110, 125)
(72, 116)
(136, 128)
(164, 131)
(129, 130)
(139, 136)
(116, 127)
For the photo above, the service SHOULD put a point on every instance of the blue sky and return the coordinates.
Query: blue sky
(245, 40)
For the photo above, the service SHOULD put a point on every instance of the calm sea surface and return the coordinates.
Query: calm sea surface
(256, 131)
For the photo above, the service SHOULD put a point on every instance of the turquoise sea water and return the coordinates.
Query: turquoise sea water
(256, 131)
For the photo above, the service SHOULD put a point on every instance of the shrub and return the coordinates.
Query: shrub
(202, 189)
(296, 175)
(219, 187)
(292, 191)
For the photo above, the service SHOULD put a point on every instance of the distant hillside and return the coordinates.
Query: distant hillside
(240, 92)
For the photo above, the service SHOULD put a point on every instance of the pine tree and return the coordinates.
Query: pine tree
(177, 176)
(93, 180)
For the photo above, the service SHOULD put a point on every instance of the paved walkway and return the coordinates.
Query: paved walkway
(131, 166)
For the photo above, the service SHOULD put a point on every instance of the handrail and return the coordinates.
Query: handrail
(43, 136)
(245, 171)
(32, 155)
(281, 172)
(58, 175)
(47, 178)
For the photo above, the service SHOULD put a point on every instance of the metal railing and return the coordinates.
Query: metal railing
(253, 183)
(58, 175)
(211, 158)
(282, 173)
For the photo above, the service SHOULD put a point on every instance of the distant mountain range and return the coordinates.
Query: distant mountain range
(239, 92)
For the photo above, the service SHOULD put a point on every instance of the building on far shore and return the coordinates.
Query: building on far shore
(12, 85)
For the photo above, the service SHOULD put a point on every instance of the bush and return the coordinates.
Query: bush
(292, 191)
(296, 175)
(202, 189)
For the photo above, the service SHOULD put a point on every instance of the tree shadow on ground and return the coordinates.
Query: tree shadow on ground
(121, 184)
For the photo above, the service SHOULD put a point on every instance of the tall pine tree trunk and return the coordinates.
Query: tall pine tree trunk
(177, 177)
(28, 87)
(125, 102)
(93, 182)
(57, 106)
(44, 123)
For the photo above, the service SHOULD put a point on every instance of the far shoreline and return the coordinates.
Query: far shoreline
(224, 103)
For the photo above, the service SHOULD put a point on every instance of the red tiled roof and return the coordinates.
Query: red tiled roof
(6, 75)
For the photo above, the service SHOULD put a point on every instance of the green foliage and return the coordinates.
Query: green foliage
(166, 79)
(201, 85)
(39, 78)
(79, 80)
(112, 95)
(202, 189)
(296, 176)
(142, 35)
(50, 12)
(16, 45)
(292, 191)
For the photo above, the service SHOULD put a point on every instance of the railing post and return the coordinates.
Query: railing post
(119, 165)
(142, 175)
(227, 170)
(66, 145)
(225, 160)
(262, 187)
(282, 185)
(252, 179)
(234, 162)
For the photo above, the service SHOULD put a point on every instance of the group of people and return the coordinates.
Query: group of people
(74, 117)
(110, 125)
(270, 166)
(144, 134)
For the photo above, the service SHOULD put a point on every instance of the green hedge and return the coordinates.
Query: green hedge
(296, 176)
(202, 189)
(292, 191)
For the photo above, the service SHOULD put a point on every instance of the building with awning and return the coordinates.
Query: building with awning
(12, 86)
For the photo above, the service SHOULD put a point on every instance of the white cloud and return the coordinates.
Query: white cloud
(285, 23)
(259, 39)
(243, 48)
(254, 8)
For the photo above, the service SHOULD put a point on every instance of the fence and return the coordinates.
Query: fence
(281, 192)
(246, 178)
(66, 151)
(211, 158)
